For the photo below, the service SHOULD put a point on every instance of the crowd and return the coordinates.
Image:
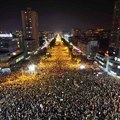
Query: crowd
(3, 76)
(61, 93)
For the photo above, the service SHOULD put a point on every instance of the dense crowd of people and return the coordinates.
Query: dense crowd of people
(61, 93)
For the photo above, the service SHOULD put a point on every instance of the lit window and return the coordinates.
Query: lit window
(118, 66)
(119, 59)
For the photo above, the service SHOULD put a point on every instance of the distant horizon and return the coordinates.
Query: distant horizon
(8, 31)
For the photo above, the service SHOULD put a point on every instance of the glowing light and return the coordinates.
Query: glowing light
(82, 66)
(19, 59)
(6, 35)
(32, 68)
(58, 39)
(14, 53)
(118, 66)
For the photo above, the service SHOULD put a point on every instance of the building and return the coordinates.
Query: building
(9, 43)
(115, 36)
(89, 48)
(11, 52)
(19, 34)
(10, 60)
(110, 60)
(101, 60)
(30, 30)
(89, 32)
(110, 64)
(104, 39)
(76, 32)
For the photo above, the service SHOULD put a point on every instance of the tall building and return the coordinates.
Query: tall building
(30, 30)
(115, 39)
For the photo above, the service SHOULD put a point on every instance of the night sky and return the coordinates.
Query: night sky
(58, 15)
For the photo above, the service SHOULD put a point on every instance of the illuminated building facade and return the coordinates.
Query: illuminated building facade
(8, 43)
(10, 60)
(11, 52)
(30, 30)
(108, 63)
(19, 34)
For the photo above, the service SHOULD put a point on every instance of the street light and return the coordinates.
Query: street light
(31, 68)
